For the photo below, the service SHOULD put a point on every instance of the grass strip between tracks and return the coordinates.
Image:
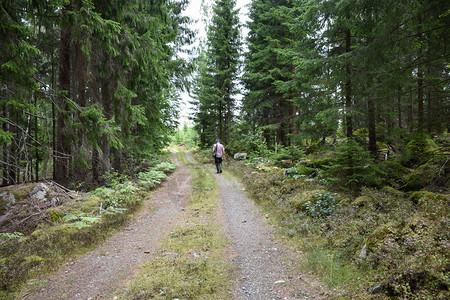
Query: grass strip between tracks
(192, 261)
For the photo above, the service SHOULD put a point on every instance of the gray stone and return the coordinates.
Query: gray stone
(363, 253)
(40, 192)
(376, 289)
(240, 155)
(8, 198)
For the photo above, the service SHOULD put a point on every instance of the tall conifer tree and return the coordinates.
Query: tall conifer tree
(218, 76)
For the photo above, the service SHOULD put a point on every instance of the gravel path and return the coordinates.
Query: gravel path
(98, 274)
(264, 265)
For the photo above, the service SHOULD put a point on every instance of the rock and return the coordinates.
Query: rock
(376, 289)
(40, 192)
(240, 155)
(279, 282)
(363, 253)
(7, 200)
(171, 254)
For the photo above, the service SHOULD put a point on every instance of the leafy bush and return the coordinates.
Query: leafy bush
(150, 179)
(322, 205)
(299, 171)
(114, 179)
(165, 166)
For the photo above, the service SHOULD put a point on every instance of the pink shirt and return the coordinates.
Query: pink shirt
(218, 149)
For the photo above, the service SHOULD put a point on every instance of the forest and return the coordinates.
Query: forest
(90, 86)
(87, 86)
(341, 106)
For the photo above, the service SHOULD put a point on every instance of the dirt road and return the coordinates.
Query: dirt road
(265, 269)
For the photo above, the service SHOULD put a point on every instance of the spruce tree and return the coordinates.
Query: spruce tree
(218, 74)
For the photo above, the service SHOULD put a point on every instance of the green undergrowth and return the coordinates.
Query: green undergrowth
(74, 228)
(191, 263)
(383, 237)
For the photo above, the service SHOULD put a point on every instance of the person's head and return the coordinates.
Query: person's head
(217, 141)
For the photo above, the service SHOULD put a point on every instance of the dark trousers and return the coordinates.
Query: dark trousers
(218, 161)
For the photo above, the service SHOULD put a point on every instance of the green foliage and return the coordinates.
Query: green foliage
(218, 70)
(322, 206)
(81, 221)
(6, 236)
(166, 167)
(300, 171)
(353, 167)
(187, 136)
(419, 149)
(150, 179)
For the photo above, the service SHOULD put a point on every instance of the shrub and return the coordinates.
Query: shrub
(353, 167)
(165, 166)
(150, 179)
(323, 205)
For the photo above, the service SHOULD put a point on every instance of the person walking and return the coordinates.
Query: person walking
(219, 154)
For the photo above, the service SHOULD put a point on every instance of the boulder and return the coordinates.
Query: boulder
(7, 200)
(40, 192)
(240, 155)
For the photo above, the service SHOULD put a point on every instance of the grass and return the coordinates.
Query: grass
(192, 262)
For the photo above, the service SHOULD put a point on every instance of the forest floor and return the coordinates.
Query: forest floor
(263, 267)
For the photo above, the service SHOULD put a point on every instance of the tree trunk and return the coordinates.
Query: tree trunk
(36, 140)
(420, 125)
(411, 111)
(81, 66)
(372, 128)
(106, 150)
(420, 100)
(220, 119)
(62, 146)
(348, 88)
(294, 129)
(399, 108)
(95, 162)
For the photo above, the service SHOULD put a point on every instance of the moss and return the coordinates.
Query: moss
(419, 148)
(298, 202)
(422, 177)
(393, 192)
(381, 233)
(435, 205)
(90, 204)
(362, 201)
(55, 213)
(393, 168)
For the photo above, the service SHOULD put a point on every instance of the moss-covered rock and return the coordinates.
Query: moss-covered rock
(299, 200)
(361, 201)
(381, 233)
(419, 149)
(91, 204)
(393, 169)
(436, 206)
(393, 192)
(422, 177)
(55, 213)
